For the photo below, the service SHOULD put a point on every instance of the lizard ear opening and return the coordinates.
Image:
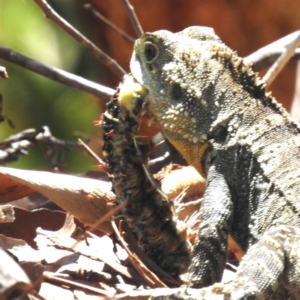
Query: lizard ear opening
(150, 52)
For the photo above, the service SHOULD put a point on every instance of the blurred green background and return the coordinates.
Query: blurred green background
(31, 100)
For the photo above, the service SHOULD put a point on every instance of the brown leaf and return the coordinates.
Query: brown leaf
(175, 179)
(86, 199)
(26, 222)
(11, 190)
(20, 249)
(62, 248)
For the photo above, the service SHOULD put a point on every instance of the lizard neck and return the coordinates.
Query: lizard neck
(193, 153)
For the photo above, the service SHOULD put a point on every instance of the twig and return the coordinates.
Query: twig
(56, 74)
(46, 137)
(161, 293)
(281, 61)
(134, 247)
(267, 59)
(89, 7)
(295, 109)
(139, 266)
(91, 153)
(133, 18)
(267, 55)
(147, 173)
(77, 285)
(92, 48)
(16, 145)
(3, 73)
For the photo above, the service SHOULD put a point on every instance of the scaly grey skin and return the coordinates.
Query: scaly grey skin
(215, 111)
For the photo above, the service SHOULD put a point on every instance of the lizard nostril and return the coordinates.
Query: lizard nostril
(176, 92)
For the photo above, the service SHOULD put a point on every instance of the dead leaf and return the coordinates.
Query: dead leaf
(13, 279)
(20, 249)
(86, 199)
(175, 179)
(26, 222)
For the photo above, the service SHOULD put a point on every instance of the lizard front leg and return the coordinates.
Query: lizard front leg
(209, 255)
(269, 270)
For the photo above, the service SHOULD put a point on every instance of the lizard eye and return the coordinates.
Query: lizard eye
(151, 52)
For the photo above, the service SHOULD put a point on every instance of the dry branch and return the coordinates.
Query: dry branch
(267, 55)
(282, 60)
(56, 74)
(17, 144)
(82, 40)
(88, 200)
(133, 18)
(52, 277)
(151, 278)
(89, 7)
(295, 109)
(91, 153)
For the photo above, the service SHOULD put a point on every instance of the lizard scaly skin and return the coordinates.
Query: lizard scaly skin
(215, 111)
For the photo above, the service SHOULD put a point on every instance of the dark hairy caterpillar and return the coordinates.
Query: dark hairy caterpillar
(148, 213)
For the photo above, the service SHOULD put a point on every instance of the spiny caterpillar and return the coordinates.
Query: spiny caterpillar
(148, 213)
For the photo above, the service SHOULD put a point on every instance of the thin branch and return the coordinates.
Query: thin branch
(269, 58)
(267, 55)
(89, 7)
(3, 73)
(77, 285)
(134, 247)
(160, 293)
(139, 266)
(92, 154)
(147, 173)
(133, 18)
(92, 48)
(295, 109)
(56, 74)
(17, 144)
(281, 61)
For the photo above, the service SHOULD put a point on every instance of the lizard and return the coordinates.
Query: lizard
(216, 112)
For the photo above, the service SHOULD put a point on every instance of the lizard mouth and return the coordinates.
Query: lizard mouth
(136, 68)
(131, 93)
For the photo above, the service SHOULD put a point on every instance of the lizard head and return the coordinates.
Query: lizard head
(167, 65)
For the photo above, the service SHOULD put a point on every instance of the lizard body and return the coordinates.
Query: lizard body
(215, 111)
